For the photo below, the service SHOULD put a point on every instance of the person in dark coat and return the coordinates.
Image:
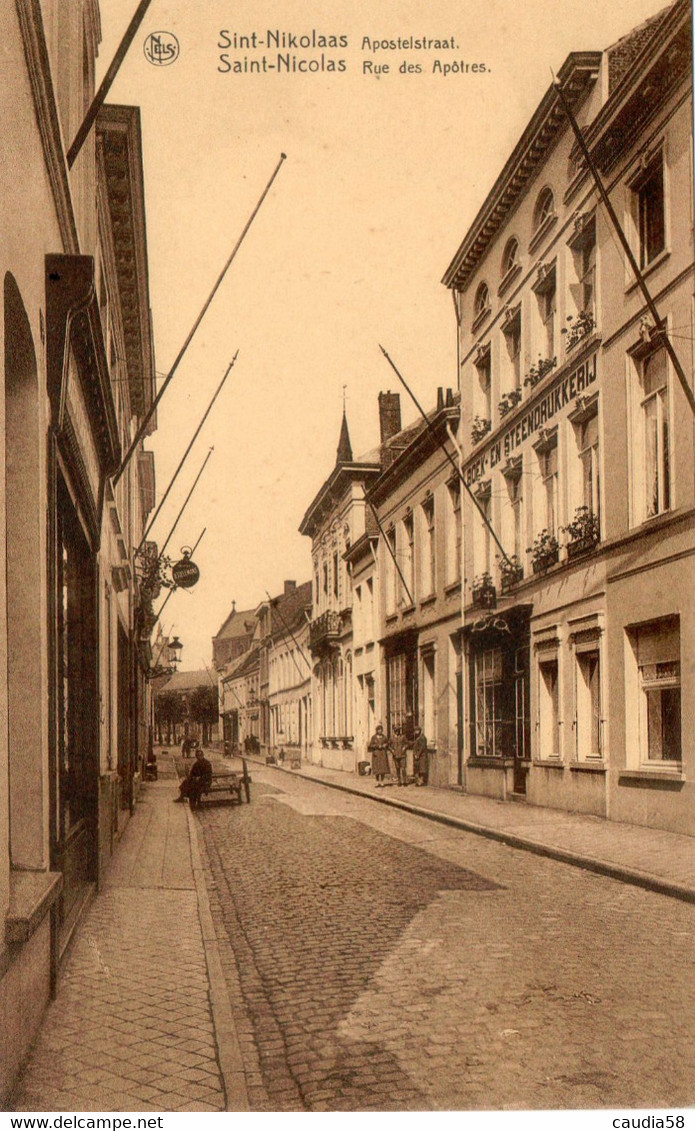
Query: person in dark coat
(399, 748)
(198, 781)
(420, 758)
(379, 749)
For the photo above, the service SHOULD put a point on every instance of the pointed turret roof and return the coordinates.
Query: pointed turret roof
(344, 453)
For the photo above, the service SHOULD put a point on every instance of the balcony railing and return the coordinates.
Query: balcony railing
(324, 630)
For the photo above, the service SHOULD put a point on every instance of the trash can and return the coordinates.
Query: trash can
(364, 768)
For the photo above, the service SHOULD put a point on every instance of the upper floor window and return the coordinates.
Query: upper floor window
(510, 258)
(453, 531)
(545, 208)
(481, 303)
(408, 557)
(656, 445)
(511, 330)
(427, 562)
(649, 209)
(482, 399)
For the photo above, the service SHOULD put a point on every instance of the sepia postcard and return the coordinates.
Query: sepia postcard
(346, 623)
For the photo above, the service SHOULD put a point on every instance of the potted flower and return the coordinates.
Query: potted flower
(511, 572)
(537, 372)
(480, 428)
(579, 326)
(509, 401)
(484, 592)
(544, 551)
(583, 532)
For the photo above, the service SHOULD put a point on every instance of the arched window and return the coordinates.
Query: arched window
(545, 207)
(510, 259)
(482, 300)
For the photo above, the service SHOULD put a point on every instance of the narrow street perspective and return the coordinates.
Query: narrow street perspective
(347, 524)
(372, 959)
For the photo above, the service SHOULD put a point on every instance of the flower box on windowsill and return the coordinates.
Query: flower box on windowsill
(543, 562)
(511, 578)
(580, 546)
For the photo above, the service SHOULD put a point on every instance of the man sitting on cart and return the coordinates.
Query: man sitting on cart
(198, 781)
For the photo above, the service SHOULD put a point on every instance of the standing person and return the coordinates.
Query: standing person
(420, 757)
(399, 748)
(379, 750)
(198, 781)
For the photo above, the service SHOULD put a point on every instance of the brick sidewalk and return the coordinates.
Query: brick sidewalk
(132, 1026)
(654, 859)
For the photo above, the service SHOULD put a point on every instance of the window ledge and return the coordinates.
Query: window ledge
(31, 896)
(391, 618)
(407, 610)
(588, 767)
(490, 763)
(653, 779)
(655, 263)
(548, 763)
(452, 588)
(428, 600)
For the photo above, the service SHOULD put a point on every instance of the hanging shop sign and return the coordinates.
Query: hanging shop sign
(185, 572)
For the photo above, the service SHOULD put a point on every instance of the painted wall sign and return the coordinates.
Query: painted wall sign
(562, 394)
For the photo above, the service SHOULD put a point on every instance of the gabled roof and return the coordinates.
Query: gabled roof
(188, 681)
(240, 622)
(287, 610)
(622, 54)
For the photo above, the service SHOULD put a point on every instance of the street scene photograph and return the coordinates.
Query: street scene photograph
(346, 621)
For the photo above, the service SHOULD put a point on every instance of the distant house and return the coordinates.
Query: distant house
(194, 711)
(234, 637)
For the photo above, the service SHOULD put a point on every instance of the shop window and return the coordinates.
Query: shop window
(656, 648)
(402, 692)
(588, 705)
(548, 709)
(427, 556)
(649, 210)
(489, 694)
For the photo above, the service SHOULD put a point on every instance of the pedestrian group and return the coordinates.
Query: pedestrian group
(380, 747)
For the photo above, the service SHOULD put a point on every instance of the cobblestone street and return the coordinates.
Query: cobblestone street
(376, 961)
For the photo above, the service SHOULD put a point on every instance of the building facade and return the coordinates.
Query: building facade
(289, 671)
(417, 501)
(77, 369)
(577, 446)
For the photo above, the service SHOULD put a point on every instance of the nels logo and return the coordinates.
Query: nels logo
(161, 48)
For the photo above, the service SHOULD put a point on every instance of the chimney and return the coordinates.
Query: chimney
(440, 399)
(389, 415)
(289, 586)
(449, 398)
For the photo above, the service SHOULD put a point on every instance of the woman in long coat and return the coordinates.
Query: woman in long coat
(379, 749)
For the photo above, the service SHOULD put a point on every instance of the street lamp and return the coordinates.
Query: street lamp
(175, 647)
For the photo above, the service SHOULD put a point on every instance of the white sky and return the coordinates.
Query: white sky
(382, 178)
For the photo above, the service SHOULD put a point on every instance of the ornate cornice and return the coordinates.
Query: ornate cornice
(120, 156)
(577, 74)
(39, 71)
